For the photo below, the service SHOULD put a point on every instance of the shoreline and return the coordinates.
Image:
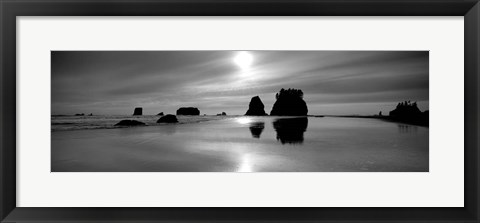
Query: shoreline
(423, 123)
(59, 124)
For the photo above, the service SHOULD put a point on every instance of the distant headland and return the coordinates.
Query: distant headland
(405, 112)
(409, 113)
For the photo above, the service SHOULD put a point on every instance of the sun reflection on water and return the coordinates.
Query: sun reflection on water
(245, 165)
(244, 120)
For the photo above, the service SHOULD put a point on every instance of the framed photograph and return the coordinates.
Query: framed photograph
(250, 111)
(241, 103)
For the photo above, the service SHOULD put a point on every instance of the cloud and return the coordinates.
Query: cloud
(114, 81)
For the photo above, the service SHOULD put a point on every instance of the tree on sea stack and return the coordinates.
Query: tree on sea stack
(289, 103)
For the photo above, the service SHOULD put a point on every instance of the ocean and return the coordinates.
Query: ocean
(238, 144)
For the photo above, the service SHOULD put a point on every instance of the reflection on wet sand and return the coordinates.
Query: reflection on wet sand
(330, 145)
(246, 165)
(290, 130)
(256, 128)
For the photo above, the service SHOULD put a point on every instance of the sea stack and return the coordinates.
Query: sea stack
(188, 111)
(129, 123)
(289, 103)
(168, 119)
(256, 107)
(138, 111)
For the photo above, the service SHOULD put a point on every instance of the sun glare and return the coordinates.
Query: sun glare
(246, 165)
(244, 120)
(243, 60)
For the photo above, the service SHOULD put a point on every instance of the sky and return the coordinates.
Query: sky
(333, 82)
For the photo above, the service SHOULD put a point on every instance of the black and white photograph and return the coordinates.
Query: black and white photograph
(239, 111)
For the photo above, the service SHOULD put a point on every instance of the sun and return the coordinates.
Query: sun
(243, 60)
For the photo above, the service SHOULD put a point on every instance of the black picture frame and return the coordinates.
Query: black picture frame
(10, 9)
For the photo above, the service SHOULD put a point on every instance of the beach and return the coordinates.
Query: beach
(238, 144)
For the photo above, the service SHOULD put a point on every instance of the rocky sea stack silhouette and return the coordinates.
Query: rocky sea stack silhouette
(409, 113)
(168, 119)
(289, 103)
(160, 114)
(188, 111)
(256, 107)
(138, 111)
(130, 123)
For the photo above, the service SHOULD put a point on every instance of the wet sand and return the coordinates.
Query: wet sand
(246, 144)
